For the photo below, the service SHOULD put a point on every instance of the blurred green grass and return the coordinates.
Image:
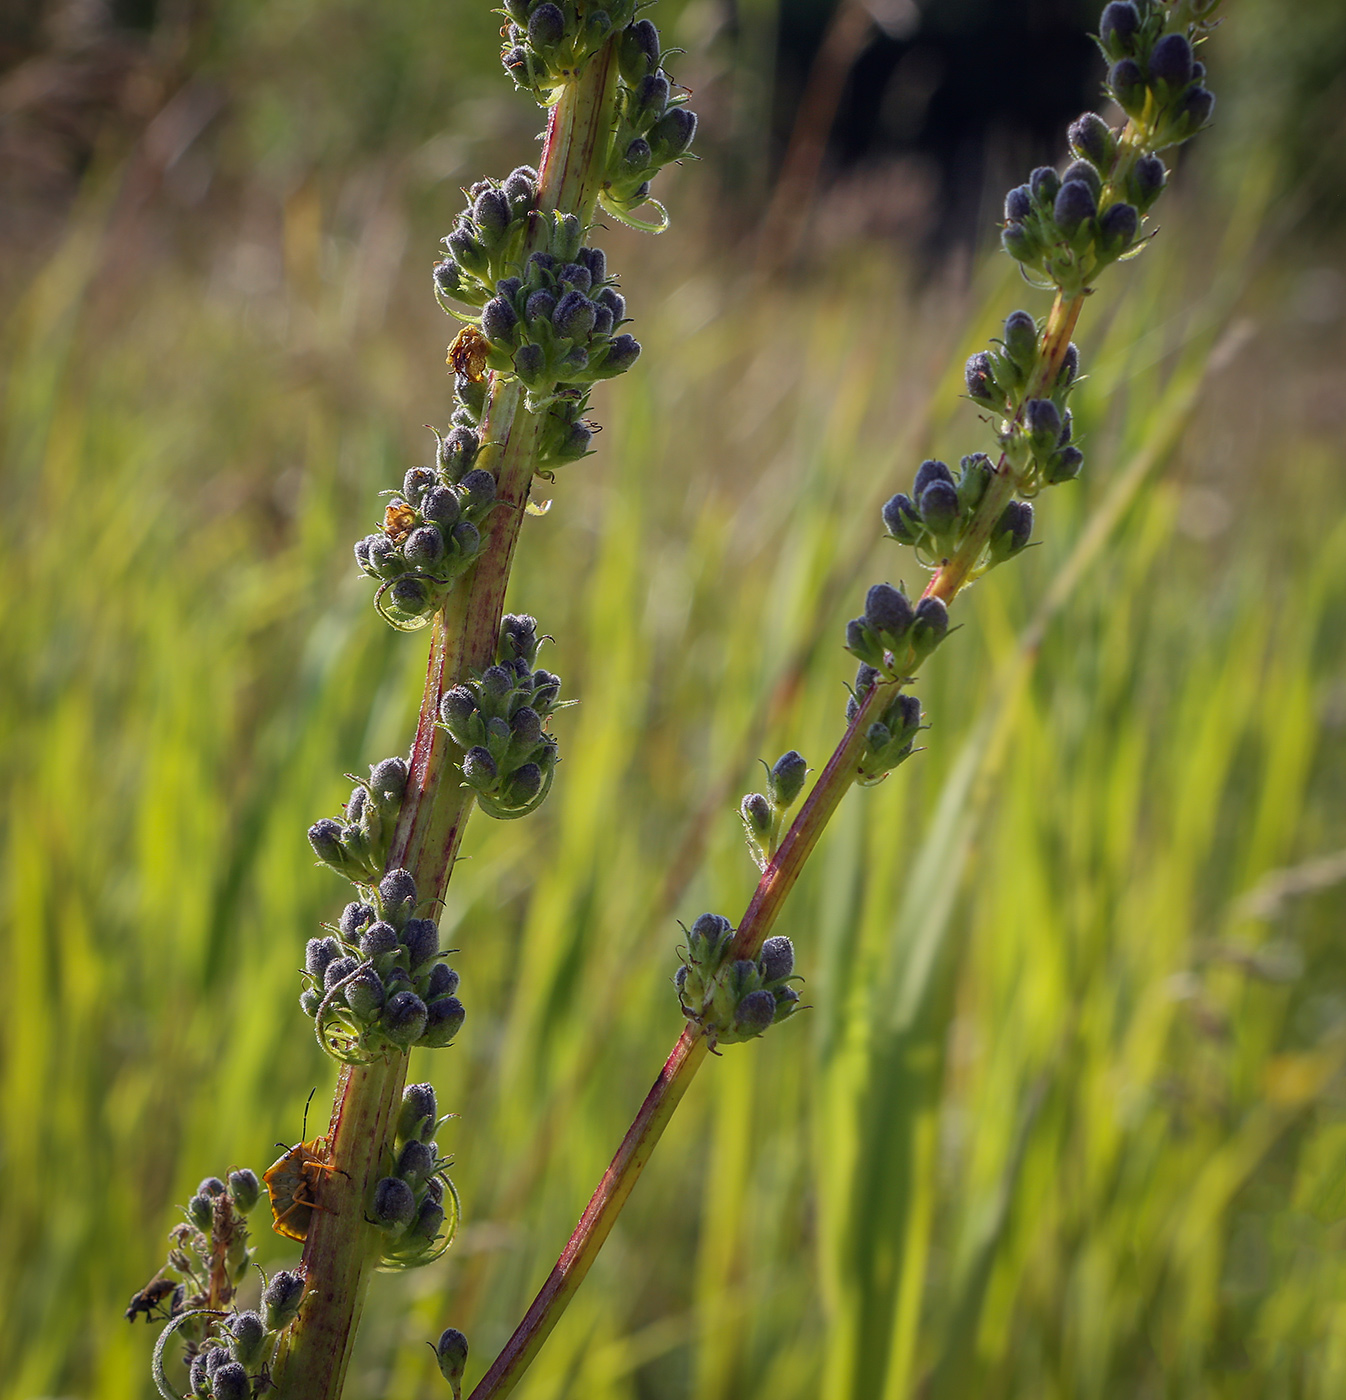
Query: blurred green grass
(1066, 1119)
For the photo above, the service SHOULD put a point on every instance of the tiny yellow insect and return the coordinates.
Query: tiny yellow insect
(467, 355)
(399, 520)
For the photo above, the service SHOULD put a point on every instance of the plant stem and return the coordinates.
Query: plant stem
(342, 1250)
(778, 879)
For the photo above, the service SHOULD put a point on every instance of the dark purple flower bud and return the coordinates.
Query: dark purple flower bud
(788, 773)
(456, 708)
(416, 483)
(319, 954)
(421, 937)
(442, 982)
(337, 971)
(979, 375)
(1083, 171)
(1044, 182)
(478, 486)
(672, 134)
(388, 777)
(530, 364)
(1127, 84)
(1075, 203)
(930, 627)
(939, 507)
(516, 64)
(1012, 531)
(355, 804)
(281, 1298)
(378, 939)
(930, 470)
(411, 597)
(397, 888)
(546, 26)
(711, 929)
(362, 553)
(614, 301)
(861, 640)
(355, 917)
(865, 677)
(1018, 204)
(457, 451)
(490, 213)
(757, 815)
(451, 1349)
(526, 726)
(1064, 466)
(211, 1186)
(1147, 182)
(467, 537)
(479, 767)
(403, 1018)
(523, 786)
(597, 262)
(1117, 228)
(637, 156)
(520, 188)
(577, 275)
(444, 1019)
(754, 1013)
(394, 1204)
(1070, 366)
(1196, 107)
(248, 1333)
(623, 351)
(777, 959)
(574, 316)
(415, 1163)
(1042, 418)
(546, 687)
(902, 520)
(498, 321)
(325, 838)
(364, 993)
(424, 547)
(787, 999)
(230, 1382)
(1118, 27)
(650, 95)
(539, 306)
(416, 1118)
(448, 278)
(904, 715)
(887, 608)
(638, 53)
(1092, 139)
(1171, 61)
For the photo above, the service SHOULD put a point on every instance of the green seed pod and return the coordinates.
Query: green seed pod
(201, 1211)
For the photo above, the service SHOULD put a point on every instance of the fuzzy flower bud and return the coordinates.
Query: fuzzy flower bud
(754, 1013)
(416, 1118)
(777, 958)
(404, 1018)
(451, 1349)
(888, 610)
(394, 1205)
(281, 1298)
(1092, 139)
(397, 888)
(444, 1019)
(244, 1188)
(902, 520)
(1075, 203)
(1171, 61)
(786, 780)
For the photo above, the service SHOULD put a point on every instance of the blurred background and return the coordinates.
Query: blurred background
(1068, 1116)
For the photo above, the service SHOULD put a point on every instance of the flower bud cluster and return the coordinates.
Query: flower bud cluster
(763, 813)
(358, 846)
(547, 43)
(431, 532)
(892, 636)
(409, 1204)
(228, 1351)
(557, 324)
(497, 719)
(1066, 227)
(890, 738)
(377, 984)
(738, 1000)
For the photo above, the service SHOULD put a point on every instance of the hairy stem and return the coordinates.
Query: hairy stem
(342, 1249)
(778, 879)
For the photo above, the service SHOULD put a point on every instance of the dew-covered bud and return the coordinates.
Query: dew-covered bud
(231, 1382)
(1075, 203)
(325, 838)
(979, 375)
(1044, 183)
(1171, 61)
(777, 958)
(394, 1205)
(1018, 204)
(786, 780)
(418, 1114)
(337, 971)
(638, 51)
(451, 1349)
(902, 520)
(421, 937)
(424, 547)
(444, 1019)
(442, 982)
(355, 917)
(622, 352)
(403, 1018)
(479, 486)
(244, 1189)
(1127, 84)
(1021, 339)
(319, 954)
(939, 507)
(754, 1013)
(397, 888)
(249, 1337)
(888, 610)
(1147, 182)
(1092, 139)
(1118, 27)
(672, 134)
(309, 1001)
(1117, 228)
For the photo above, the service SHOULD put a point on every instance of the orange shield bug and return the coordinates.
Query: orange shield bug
(292, 1181)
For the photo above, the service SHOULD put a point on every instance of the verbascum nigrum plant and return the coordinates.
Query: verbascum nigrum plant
(540, 321)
